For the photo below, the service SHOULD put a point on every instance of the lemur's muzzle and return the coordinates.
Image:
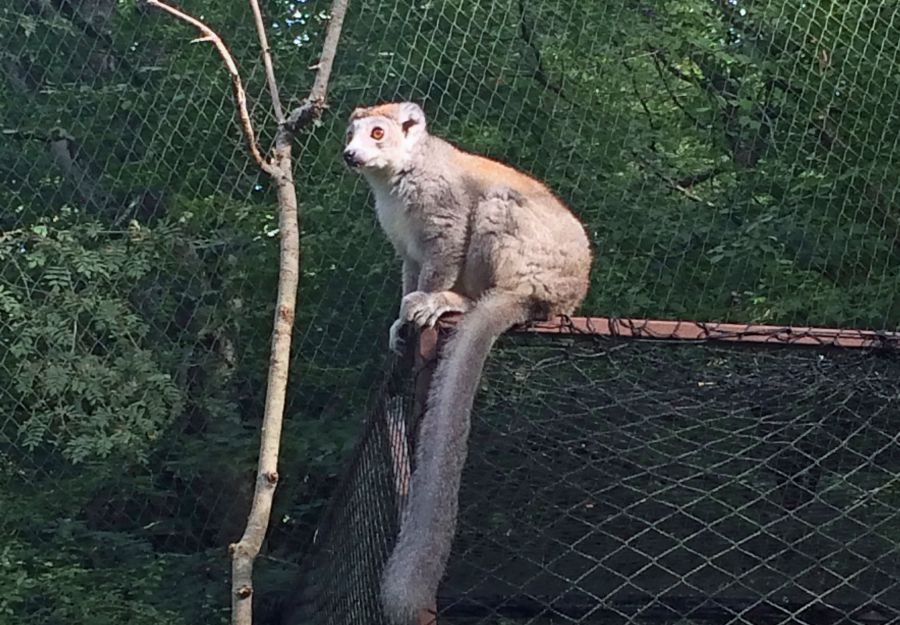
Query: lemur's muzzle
(351, 159)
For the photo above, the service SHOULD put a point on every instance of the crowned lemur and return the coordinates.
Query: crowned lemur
(479, 238)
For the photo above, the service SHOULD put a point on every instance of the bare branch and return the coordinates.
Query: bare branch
(312, 106)
(279, 167)
(682, 76)
(329, 49)
(24, 134)
(637, 94)
(540, 72)
(245, 550)
(237, 87)
(694, 179)
(657, 54)
(64, 151)
(672, 183)
(267, 61)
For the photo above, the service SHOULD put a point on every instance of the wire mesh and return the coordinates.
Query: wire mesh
(733, 160)
(619, 480)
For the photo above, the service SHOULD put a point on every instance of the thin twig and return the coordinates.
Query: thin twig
(237, 87)
(676, 72)
(672, 183)
(312, 106)
(25, 134)
(637, 94)
(267, 61)
(694, 179)
(244, 551)
(540, 72)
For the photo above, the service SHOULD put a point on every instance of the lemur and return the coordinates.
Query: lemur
(476, 237)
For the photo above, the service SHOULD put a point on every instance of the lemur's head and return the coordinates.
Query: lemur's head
(380, 138)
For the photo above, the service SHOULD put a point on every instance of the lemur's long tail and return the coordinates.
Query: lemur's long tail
(416, 566)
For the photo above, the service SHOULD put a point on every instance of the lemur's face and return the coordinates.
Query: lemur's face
(380, 138)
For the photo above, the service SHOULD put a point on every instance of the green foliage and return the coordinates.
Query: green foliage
(122, 582)
(79, 595)
(85, 383)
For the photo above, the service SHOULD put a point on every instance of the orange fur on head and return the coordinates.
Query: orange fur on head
(379, 110)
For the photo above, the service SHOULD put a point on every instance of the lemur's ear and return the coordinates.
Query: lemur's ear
(412, 118)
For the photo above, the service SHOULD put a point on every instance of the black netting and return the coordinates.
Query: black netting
(615, 480)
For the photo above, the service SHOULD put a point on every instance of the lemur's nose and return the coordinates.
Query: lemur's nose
(350, 158)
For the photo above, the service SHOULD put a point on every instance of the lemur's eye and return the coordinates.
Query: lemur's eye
(377, 133)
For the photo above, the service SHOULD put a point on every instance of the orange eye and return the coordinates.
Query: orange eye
(377, 133)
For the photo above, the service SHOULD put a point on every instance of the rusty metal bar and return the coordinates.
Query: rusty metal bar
(659, 329)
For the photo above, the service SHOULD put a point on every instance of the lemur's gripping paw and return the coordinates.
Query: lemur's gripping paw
(424, 309)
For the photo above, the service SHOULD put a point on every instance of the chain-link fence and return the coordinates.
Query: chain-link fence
(748, 478)
(733, 161)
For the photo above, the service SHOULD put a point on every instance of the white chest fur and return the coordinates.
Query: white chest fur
(398, 224)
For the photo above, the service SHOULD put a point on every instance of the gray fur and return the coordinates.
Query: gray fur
(475, 237)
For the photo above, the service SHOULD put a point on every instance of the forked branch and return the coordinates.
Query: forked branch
(280, 168)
